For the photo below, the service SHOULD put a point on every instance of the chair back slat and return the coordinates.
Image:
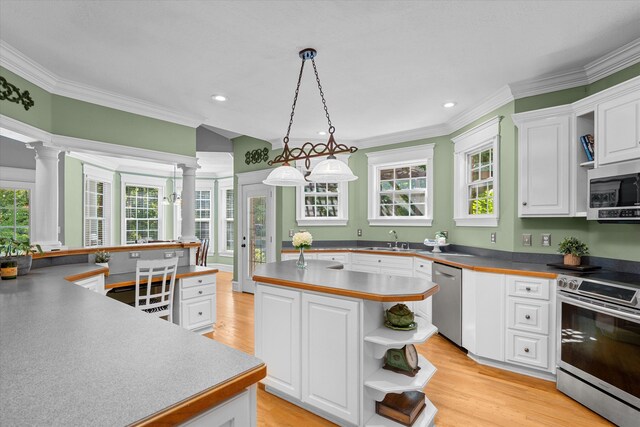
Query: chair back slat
(157, 300)
(201, 254)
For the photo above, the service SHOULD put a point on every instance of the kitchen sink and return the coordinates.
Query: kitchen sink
(387, 249)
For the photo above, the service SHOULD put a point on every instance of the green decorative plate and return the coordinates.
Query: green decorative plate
(410, 327)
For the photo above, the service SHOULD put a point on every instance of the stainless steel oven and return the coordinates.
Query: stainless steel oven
(614, 193)
(599, 345)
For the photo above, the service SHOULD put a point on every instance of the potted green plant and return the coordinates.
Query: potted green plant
(20, 251)
(102, 258)
(573, 249)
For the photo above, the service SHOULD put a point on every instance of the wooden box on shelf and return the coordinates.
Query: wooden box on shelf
(404, 408)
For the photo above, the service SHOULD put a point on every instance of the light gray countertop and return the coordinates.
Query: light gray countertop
(71, 357)
(320, 276)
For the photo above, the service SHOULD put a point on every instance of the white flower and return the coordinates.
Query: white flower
(302, 239)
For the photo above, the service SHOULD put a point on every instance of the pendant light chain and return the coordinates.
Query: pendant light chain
(293, 107)
(324, 103)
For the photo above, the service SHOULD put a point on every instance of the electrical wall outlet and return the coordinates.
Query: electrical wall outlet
(359, 232)
(134, 254)
(526, 240)
(168, 255)
(291, 232)
(179, 254)
(493, 237)
(546, 239)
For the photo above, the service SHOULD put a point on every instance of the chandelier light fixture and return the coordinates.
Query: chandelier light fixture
(329, 170)
(173, 198)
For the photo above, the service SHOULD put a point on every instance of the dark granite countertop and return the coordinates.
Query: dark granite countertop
(70, 356)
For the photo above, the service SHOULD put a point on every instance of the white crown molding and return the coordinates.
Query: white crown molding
(88, 146)
(403, 136)
(613, 62)
(496, 100)
(15, 61)
(94, 160)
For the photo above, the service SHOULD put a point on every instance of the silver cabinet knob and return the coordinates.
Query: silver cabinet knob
(200, 292)
(527, 317)
(379, 260)
(526, 349)
(524, 203)
(528, 288)
(200, 314)
(200, 281)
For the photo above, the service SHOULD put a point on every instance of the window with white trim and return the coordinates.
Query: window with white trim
(476, 176)
(97, 212)
(15, 210)
(226, 202)
(142, 216)
(321, 203)
(203, 214)
(401, 186)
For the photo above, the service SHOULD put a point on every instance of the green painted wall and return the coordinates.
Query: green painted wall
(40, 114)
(72, 202)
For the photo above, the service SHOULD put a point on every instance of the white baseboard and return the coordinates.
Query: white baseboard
(221, 267)
(513, 368)
(236, 286)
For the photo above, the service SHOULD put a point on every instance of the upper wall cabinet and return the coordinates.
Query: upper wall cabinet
(544, 165)
(552, 159)
(618, 136)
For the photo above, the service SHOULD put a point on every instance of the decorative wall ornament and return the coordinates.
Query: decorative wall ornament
(12, 93)
(256, 156)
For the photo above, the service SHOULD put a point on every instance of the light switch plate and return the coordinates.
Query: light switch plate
(359, 232)
(291, 232)
(168, 255)
(493, 237)
(526, 240)
(134, 254)
(546, 239)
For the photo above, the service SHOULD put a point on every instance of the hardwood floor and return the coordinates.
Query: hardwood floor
(465, 393)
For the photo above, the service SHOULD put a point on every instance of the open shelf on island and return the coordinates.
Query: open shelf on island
(384, 381)
(425, 419)
(386, 338)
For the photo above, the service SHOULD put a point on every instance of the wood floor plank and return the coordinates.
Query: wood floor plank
(465, 392)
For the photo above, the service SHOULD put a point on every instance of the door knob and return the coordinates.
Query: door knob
(243, 245)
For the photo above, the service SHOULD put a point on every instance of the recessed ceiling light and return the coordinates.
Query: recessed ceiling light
(449, 104)
(220, 98)
(322, 133)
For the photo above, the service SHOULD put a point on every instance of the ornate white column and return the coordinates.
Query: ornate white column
(45, 200)
(188, 205)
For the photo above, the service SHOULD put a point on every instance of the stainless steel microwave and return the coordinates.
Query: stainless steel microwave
(614, 193)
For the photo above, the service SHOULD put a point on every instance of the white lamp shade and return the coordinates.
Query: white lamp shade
(331, 170)
(285, 176)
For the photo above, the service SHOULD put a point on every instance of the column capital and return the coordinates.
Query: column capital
(44, 151)
(188, 169)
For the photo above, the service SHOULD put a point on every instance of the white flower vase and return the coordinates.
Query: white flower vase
(103, 264)
(301, 263)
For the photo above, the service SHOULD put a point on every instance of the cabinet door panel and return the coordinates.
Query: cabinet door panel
(619, 129)
(490, 323)
(330, 354)
(233, 412)
(198, 312)
(277, 335)
(544, 168)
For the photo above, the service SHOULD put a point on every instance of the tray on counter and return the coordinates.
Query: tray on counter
(574, 267)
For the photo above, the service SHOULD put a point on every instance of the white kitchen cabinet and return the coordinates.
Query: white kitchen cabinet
(277, 337)
(618, 129)
(423, 269)
(544, 167)
(330, 360)
(286, 256)
(342, 257)
(528, 349)
(93, 283)
(382, 264)
(194, 303)
(240, 410)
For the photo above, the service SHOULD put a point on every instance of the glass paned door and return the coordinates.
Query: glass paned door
(257, 228)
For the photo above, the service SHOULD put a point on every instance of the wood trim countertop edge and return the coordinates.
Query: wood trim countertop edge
(205, 400)
(126, 248)
(87, 274)
(346, 292)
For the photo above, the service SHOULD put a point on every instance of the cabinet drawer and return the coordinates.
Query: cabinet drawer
(338, 257)
(528, 287)
(422, 267)
(198, 312)
(529, 315)
(528, 349)
(198, 291)
(198, 280)
(383, 260)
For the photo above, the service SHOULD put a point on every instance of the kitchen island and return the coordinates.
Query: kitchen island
(321, 332)
(69, 356)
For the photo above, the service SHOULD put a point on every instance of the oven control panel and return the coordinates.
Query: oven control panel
(615, 292)
(619, 213)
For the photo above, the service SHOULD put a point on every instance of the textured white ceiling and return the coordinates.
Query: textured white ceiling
(386, 66)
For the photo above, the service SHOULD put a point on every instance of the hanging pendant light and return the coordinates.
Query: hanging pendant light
(330, 170)
(173, 198)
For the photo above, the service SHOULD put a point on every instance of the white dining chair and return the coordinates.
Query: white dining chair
(156, 299)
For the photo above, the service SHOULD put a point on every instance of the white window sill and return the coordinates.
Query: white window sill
(323, 221)
(476, 222)
(226, 254)
(407, 222)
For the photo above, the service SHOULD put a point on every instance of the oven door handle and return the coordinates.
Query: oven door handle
(605, 310)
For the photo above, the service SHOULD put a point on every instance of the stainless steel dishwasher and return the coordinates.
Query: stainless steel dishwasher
(447, 302)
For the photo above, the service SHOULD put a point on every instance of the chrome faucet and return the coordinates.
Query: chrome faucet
(395, 236)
